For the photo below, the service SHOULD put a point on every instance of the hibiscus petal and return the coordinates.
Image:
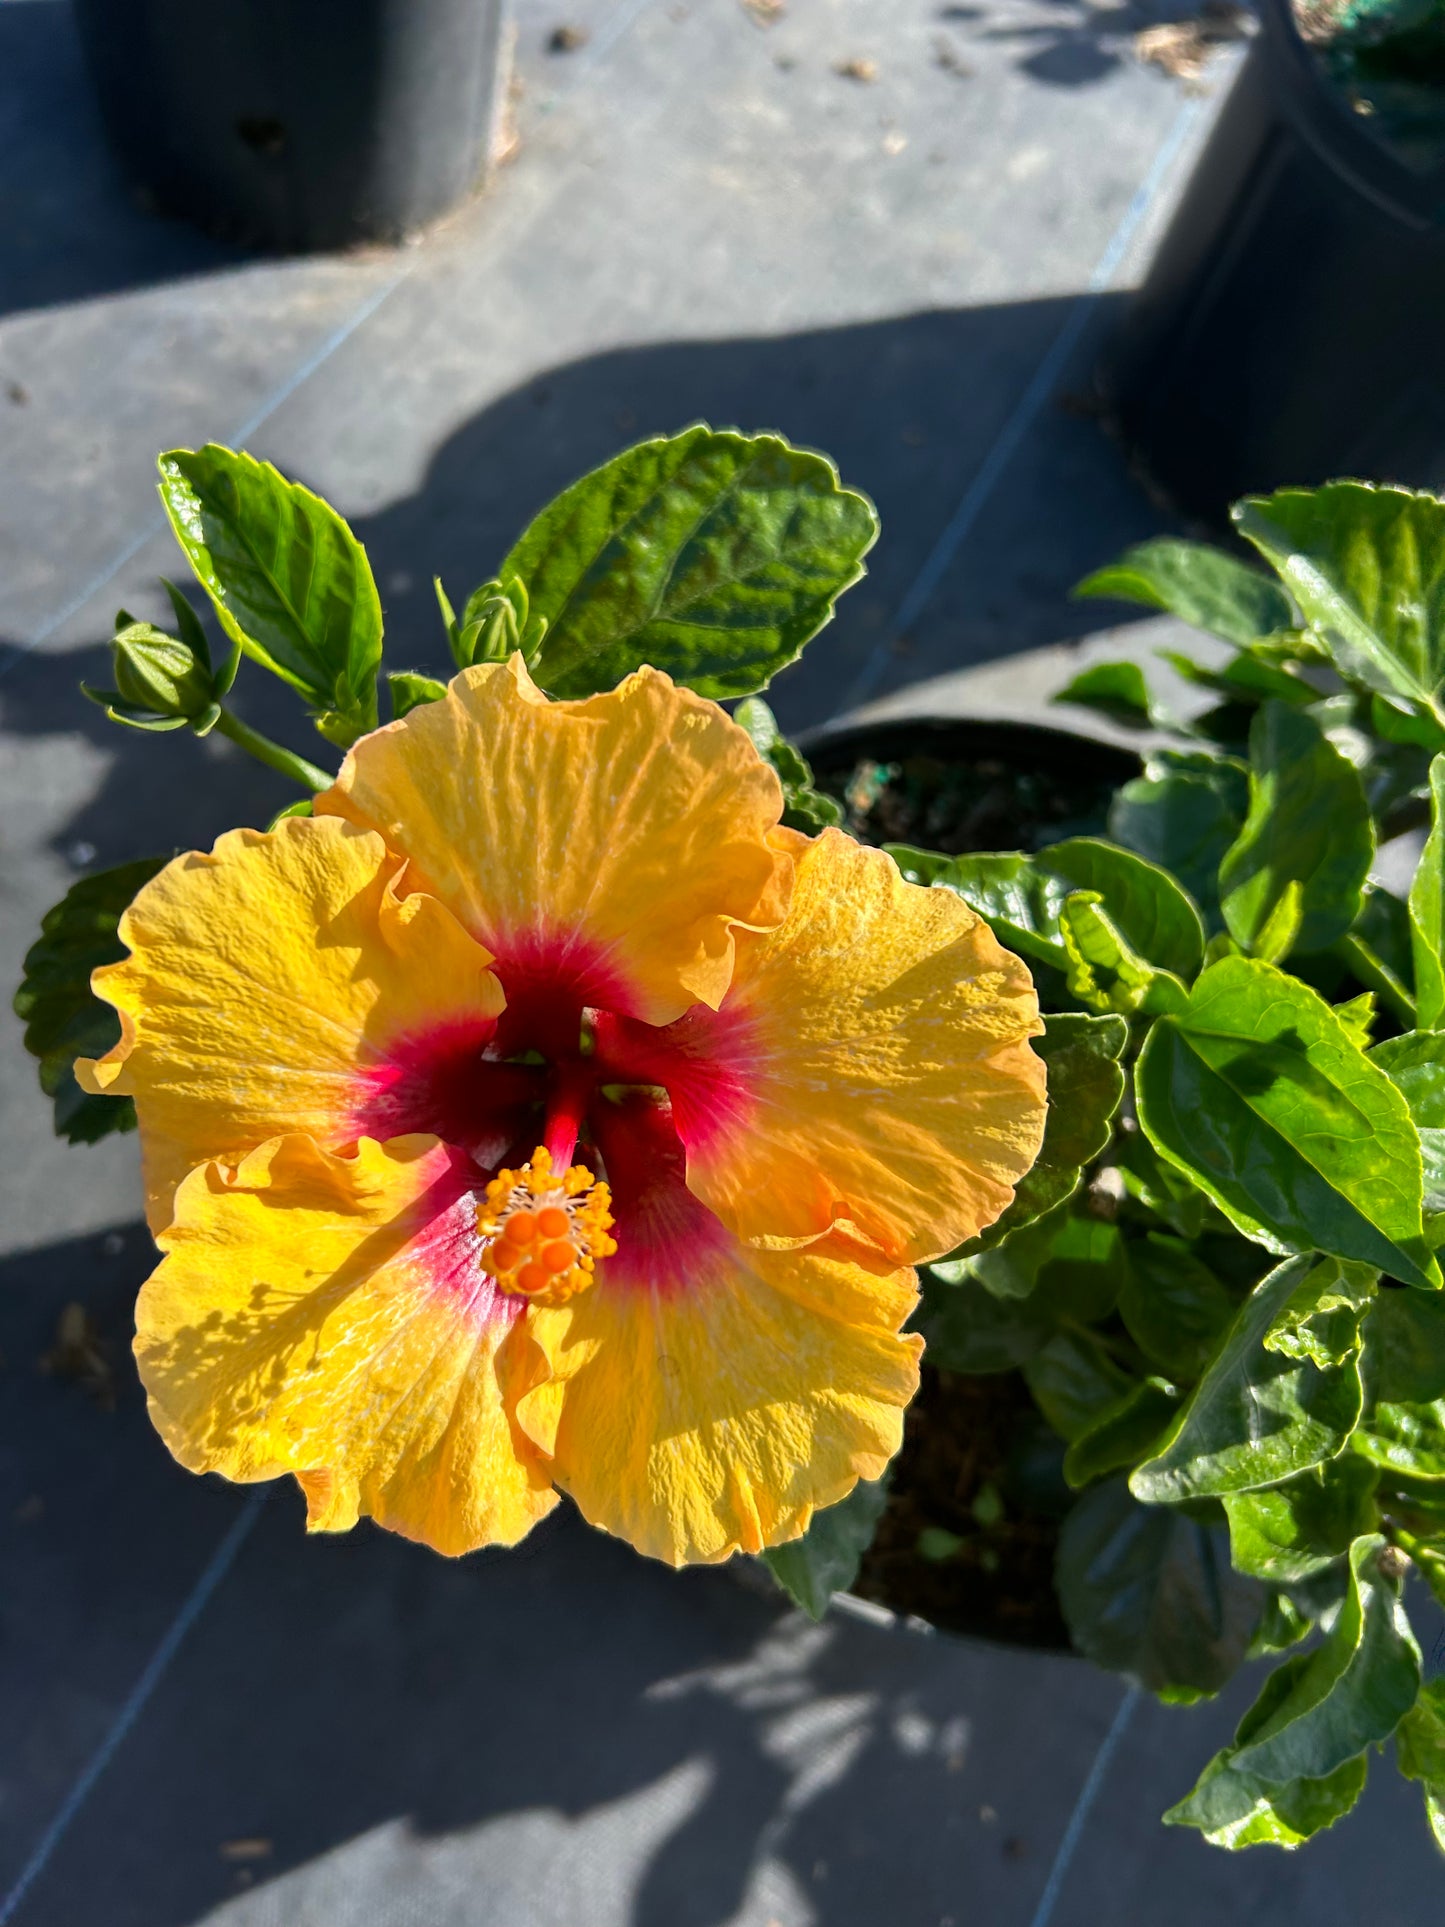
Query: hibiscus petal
(327, 1317)
(869, 1068)
(605, 849)
(706, 1396)
(280, 984)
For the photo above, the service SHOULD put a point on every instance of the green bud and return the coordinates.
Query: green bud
(159, 673)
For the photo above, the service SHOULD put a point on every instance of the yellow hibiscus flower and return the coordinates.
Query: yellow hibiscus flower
(541, 1115)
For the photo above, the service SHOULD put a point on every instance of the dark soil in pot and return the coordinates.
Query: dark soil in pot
(977, 1494)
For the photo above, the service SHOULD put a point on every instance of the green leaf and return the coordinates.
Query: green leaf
(1085, 1087)
(1233, 1808)
(1405, 1440)
(1017, 900)
(1158, 1187)
(1420, 1752)
(711, 555)
(1260, 1414)
(1427, 911)
(1076, 1383)
(1292, 1531)
(1350, 1692)
(1245, 678)
(1173, 1307)
(1203, 586)
(1150, 1592)
(1282, 1626)
(410, 691)
(1115, 689)
(290, 582)
(1183, 814)
(1257, 1093)
(63, 1017)
(1415, 1065)
(827, 1557)
(1103, 969)
(1367, 567)
(1077, 1258)
(804, 807)
(1404, 1358)
(967, 1329)
(1307, 839)
(1120, 1434)
(1156, 917)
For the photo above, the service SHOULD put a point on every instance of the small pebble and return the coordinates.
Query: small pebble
(567, 39)
(857, 69)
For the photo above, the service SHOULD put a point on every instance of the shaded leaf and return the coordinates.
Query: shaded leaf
(1405, 1440)
(1294, 1530)
(804, 807)
(711, 555)
(1415, 1065)
(1307, 839)
(1183, 814)
(1404, 1357)
(1149, 1592)
(1117, 690)
(1118, 1436)
(1257, 1093)
(1203, 586)
(827, 1557)
(1259, 1415)
(290, 582)
(1075, 1382)
(1085, 1086)
(63, 1017)
(1282, 1626)
(410, 691)
(1173, 1306)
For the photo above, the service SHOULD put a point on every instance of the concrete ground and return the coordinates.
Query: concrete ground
(207, 1717)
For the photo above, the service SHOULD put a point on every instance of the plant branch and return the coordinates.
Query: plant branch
(286, 761)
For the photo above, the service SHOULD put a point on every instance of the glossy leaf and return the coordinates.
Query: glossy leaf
(1350, 1692)
(1294, 1530)
(1259, 1415)
(63, 1017)
(1174, 1308)
(1367, 567)
(1103, 969)
(827, 1557)
(1415, 1065)
(711, 555)
(1407, 1441)
(804, 807)
(1183, 814)
(1427, 912)
(410, 691)
(1155, 915)
(1150, 1592)
(1307, 840)
(1282, 1626)
(1256, 1092)
(290, 582)
(1203, 586)
(1233, 1808)
(1018, 900)
(1114, 689)
(1122, 1433)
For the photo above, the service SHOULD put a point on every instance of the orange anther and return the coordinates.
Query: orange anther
(552, 1222)
(523, 1226)
(533, 1277)
(559, 1257)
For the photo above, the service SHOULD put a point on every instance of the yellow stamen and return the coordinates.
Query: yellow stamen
(543, 1231)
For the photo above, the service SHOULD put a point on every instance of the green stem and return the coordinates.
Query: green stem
(286, 761)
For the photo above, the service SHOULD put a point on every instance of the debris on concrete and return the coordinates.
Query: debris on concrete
(858, 68)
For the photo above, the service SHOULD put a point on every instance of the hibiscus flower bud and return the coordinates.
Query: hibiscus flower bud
(160, 673)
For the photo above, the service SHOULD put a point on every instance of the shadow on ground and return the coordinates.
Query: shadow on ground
(515, 1739)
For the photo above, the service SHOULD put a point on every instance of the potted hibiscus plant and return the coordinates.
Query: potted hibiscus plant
(562, 1097)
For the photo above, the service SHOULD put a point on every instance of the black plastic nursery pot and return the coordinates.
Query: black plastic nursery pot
(301, 124)
(978, 1463)
(1287, 330)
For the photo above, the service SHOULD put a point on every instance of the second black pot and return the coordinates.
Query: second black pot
(299, 124)
(1287, 331)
